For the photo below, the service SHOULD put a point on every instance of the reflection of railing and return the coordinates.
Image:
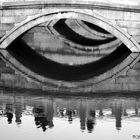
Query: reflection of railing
(88, 111)
(87, 119)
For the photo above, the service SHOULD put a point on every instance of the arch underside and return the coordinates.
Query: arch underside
(70, 83)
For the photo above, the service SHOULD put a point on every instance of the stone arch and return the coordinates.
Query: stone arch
(78, 86)
(86, 15)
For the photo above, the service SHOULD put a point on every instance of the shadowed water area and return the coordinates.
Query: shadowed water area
(25, 114)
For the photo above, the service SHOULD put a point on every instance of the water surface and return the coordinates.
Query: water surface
(26, 115)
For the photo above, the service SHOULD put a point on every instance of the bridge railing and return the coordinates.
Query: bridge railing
(119, 4)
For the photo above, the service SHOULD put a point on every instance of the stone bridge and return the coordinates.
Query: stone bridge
(119, 18)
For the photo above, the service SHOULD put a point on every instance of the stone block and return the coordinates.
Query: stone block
(7, 77)
(20, 12)
(6, 27)
(134, 31)
(136, 66)
(5, 70)
(119, 15)
(128, 79)
(111, 87)
(12, 19)
(128, 24)
(2, 33)
(133, 72)
(134, 87)
(137, 38)
(125, 87)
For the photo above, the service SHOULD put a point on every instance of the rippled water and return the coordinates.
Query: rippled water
(25, 115)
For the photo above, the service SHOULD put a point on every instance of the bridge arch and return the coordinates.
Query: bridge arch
(86, 15)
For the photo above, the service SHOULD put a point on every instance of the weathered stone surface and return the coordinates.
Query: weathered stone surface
(12, 19)
(19, 12)
(6, 27)
(120, 14)
(2, 33)
(124, 13)
(136, 66)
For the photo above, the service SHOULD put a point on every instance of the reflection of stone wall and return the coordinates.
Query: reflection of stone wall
(128, 82)
(131, 80)
(45, 108)
(8, 78)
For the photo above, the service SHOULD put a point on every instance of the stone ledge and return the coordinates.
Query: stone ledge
(72, 3)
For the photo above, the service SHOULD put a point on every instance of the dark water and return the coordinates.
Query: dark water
(27, 115)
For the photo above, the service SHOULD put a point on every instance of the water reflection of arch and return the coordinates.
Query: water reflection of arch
(46, 44)
(76, 14)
